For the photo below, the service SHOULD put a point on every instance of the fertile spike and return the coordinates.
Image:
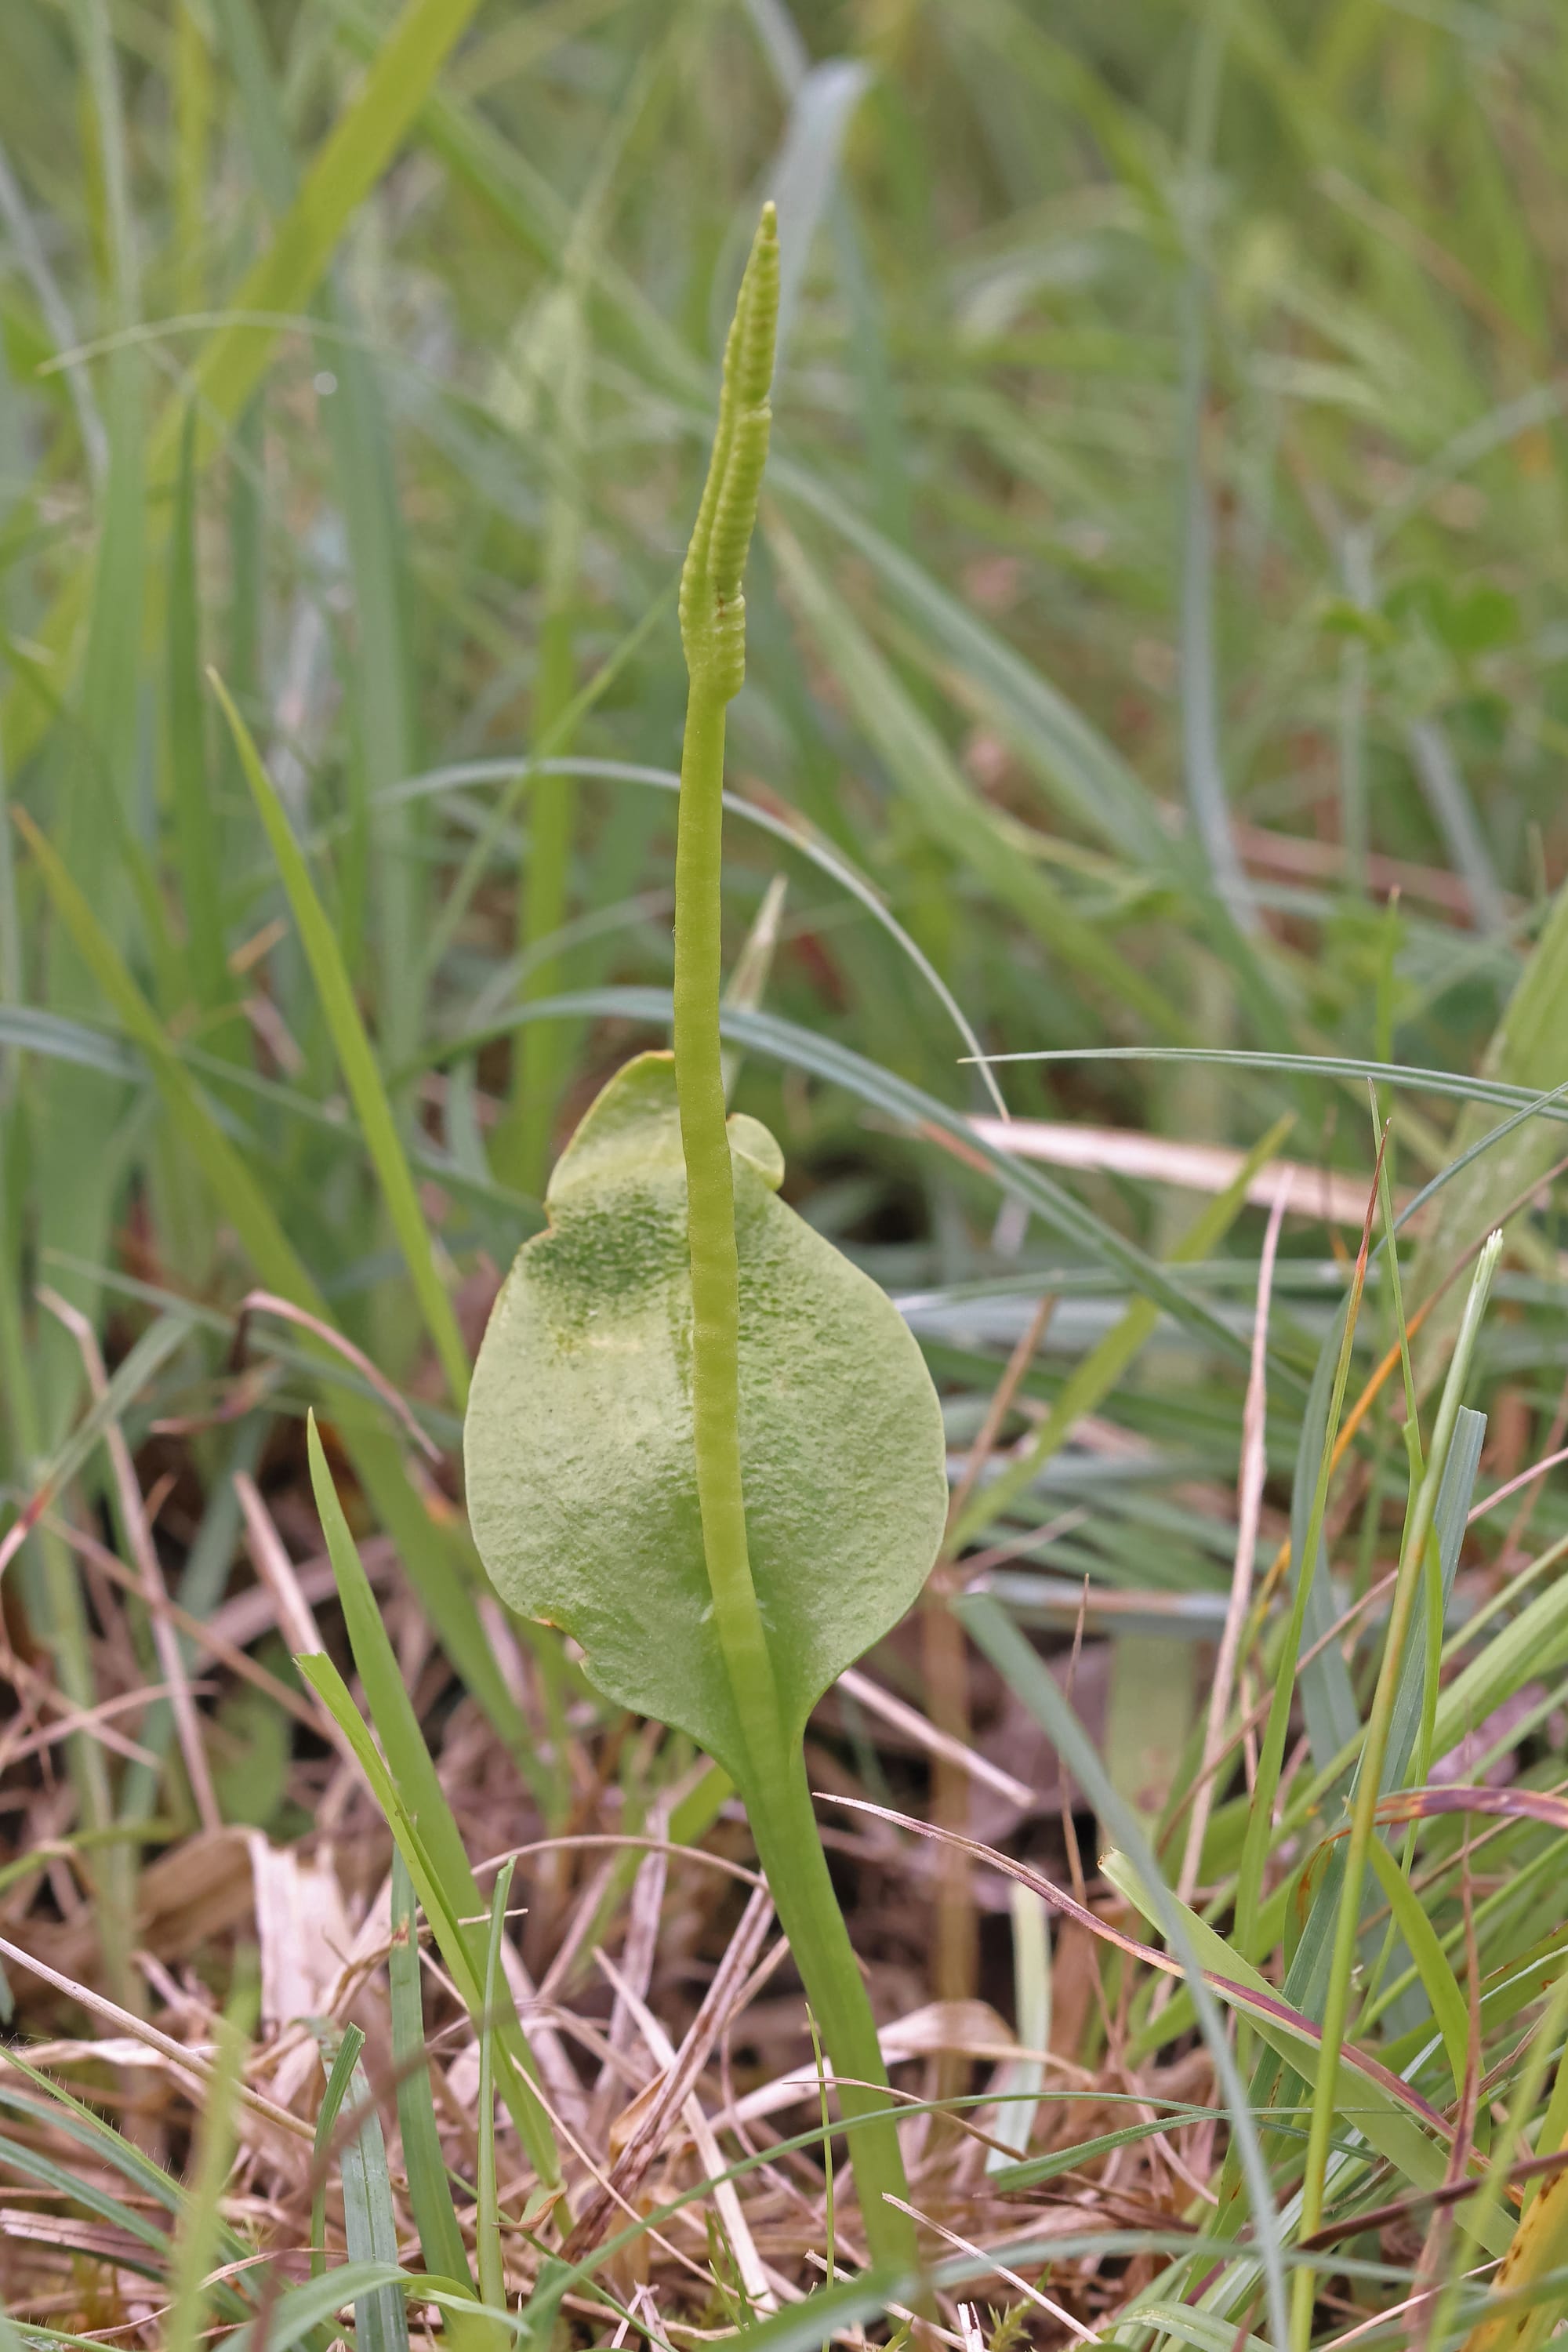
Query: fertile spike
(712, 609)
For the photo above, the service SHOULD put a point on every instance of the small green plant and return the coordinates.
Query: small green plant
(699, 1440)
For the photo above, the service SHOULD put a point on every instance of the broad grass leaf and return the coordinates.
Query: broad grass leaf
(582, 1487)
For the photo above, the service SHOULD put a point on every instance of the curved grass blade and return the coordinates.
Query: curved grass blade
(355, 1058)
(1463, 1088)
(299, 2311)
(794, 830)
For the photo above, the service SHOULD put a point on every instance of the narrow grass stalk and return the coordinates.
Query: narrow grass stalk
(1260, 1820)
(1412, 1563)
(487, 2218)
(713, 623)
(357, 1058)
(521, 1146)
(417, 1810)
(340, 2074)
(196, 2243)
(429, 2192)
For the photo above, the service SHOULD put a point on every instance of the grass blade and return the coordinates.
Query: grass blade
(410, 1793)
(1438, 1978)
(356, 1059)
(229, 1176)
(370, 2225)
(486, 2219)
(429, 2191)
(299, 2311)
(196, 831)
(197, 2240)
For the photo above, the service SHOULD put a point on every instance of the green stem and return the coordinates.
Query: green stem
(768, 1762)
(711, 1217)
(789, 1847)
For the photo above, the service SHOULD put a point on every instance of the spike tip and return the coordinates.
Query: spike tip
(712, 607)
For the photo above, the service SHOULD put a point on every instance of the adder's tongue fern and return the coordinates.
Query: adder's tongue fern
(713, 635)
(584, 1451)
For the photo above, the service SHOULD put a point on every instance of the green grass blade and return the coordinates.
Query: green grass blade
(1034, 2169)
(1369, 1776)
(299, 2311)
(454, 1939)
(1438, 1978)
(261, 114)
(1260, 1815)
(370, 2224)
(340, 2066)
(520, 1148)
(196, 831)
(386, 1693)
(430, 2190)
(1416, 1703)
(197, 2240)
(77, 1179)
(229, 1176)
(486, 2219)
(357, 1061)
(1328, 1701)
(410, 1791)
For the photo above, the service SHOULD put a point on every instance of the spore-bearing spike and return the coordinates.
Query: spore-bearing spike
(712, 609)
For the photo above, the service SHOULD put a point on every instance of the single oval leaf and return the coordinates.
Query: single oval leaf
(578, 1445)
